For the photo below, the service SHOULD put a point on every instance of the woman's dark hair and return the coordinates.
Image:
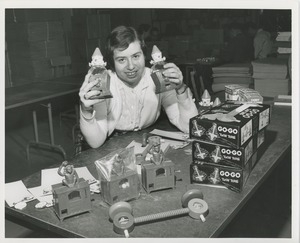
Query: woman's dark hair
(120, 38)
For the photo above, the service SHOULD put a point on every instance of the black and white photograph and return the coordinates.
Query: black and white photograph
(109, 103)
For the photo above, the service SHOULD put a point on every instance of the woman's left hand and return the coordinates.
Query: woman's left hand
(173, 73)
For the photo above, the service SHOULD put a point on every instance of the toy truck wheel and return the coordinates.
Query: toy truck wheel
(119, 207)
(190, 194)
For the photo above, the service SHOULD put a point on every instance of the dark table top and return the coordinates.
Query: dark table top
(39, 91)
(223, 203)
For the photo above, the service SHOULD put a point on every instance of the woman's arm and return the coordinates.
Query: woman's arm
(179, 108)
(93, 115)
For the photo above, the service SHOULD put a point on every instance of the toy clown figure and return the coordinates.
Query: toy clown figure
(206, 99)
(157, 57)
(162, 83)
(99, 72)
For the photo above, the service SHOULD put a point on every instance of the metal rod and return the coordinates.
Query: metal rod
(50, 123)
(36, 132)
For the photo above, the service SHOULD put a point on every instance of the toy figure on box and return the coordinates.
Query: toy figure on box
(99, 73)
(154, 148)
(118, 177)
(135, 104)
(162, 82)
(69, 173)
(157, 171)
(72, 195)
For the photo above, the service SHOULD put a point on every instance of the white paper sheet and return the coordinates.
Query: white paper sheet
(38, 193)
(16, 192)
(172, 135)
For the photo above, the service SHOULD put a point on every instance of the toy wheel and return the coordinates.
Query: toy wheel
(190, 194)
(119, 207)
(198, 208)
(123, 221)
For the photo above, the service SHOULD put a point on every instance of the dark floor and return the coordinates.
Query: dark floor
(266, 215)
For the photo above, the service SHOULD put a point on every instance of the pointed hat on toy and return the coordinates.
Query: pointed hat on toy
(155, 50)
(205, 95)
(216, 102)
(97, 52)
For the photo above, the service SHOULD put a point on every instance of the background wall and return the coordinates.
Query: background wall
(34, 36)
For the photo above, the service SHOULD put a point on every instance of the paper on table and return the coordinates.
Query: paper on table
(16, 192)
(84, 173)
(49, 177)
(38, 193)
(173, 135)
(138, 149)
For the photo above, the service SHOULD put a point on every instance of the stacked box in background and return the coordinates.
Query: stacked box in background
(33, 38)
(226, 140)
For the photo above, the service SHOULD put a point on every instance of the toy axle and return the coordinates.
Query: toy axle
(162, 215)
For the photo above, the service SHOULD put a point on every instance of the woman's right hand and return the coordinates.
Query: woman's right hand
(85, 93)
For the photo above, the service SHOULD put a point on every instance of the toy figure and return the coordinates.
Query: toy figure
(158, 173)
(162, 83)
(157, 57)
(118, 165)
(216, 102)
(99, 72)
(157, 154)
(153, 148)
(205, 99)
(68, 171)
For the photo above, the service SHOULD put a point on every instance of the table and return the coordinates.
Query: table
(223, 204)
(36, 93)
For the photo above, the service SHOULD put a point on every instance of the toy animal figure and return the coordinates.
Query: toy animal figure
(154, 148)
(99, 73)
(68, 171)
(161, 82)
(158, 172)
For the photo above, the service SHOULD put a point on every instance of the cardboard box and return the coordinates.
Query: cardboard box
(218, 175)
(250, 95)
(230, 124)
(232, 92)
(226, 155)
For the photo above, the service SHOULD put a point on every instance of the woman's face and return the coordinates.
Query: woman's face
(130, 64)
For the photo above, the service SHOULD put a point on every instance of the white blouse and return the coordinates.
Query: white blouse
(135, 108)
